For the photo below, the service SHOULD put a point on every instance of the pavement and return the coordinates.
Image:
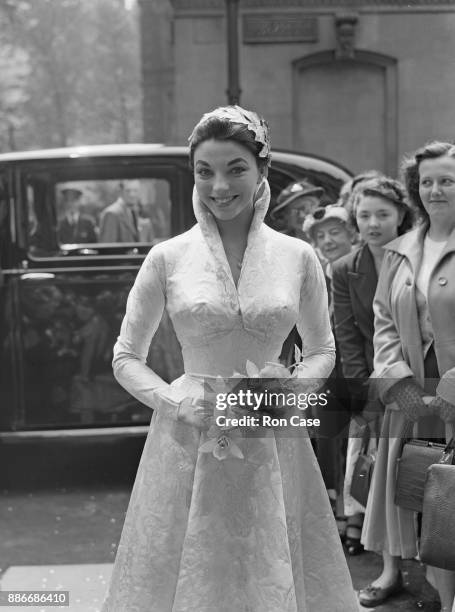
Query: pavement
(65, 539)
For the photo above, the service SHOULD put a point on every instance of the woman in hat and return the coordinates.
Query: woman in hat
(293, 204)
(332, 234)
(218, 519)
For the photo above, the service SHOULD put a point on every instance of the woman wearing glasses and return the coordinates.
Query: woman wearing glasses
(331, 232)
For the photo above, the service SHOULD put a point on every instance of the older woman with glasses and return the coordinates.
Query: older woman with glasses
(332, 233)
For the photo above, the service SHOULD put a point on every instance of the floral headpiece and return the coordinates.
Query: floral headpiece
(237, 114)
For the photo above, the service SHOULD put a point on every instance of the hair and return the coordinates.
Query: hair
(348, 187)
(410, 170)
(216, 128)
(388, 189)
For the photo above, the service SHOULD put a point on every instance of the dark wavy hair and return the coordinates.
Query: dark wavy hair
(216, 128)
(410, 170)
(388, 189)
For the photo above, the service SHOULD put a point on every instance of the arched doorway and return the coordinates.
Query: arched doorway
(346, 109)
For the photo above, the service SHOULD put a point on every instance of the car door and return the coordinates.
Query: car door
(9, 355)
(71, 287)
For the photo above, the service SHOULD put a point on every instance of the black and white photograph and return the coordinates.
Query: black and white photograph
(227, 305)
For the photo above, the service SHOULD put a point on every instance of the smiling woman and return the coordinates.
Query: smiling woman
(437, 193)
(226, 178)
(220, 519)
(414, 358)
(229, 165)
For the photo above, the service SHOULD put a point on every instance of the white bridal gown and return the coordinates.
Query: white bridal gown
(251, 534)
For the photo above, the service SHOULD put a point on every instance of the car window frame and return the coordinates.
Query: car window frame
(61, 170)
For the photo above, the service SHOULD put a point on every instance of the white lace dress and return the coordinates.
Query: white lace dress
(251, 534)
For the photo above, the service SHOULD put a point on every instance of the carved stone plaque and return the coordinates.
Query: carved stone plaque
(279, 29)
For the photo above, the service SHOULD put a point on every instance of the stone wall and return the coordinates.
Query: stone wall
(390, 91)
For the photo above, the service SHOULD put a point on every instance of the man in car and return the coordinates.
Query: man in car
(119, 221)
(75, 227)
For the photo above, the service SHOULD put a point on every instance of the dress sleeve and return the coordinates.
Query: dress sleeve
(349, 337)
(389, 363)
(313, 325)
(144, 310)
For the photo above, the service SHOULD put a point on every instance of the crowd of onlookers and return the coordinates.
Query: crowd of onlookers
(388, 253)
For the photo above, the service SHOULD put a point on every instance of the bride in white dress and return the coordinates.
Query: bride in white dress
(247, 527)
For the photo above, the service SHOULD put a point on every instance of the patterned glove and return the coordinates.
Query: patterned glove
(408, 395)
(443, 409)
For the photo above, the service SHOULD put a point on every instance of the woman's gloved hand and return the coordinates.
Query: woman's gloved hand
(443, 409)
(197, 412)
(408, 396)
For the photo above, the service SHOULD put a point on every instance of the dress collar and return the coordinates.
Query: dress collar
(411, 245)
(209, 228)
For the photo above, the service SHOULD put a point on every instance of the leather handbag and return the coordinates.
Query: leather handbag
(363, 471)
(416, 457)
(438, 518)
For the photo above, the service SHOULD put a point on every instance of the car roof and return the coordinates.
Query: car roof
(309, 161)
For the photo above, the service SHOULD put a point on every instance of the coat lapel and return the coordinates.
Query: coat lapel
(363, 279)
(410, 245)
(127, 220)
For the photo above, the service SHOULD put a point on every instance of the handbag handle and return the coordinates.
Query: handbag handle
(407, 431)
(448, 454)
(365, 439)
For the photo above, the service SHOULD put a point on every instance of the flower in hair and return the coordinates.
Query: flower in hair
(236, 114)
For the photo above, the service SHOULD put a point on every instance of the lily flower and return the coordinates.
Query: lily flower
(221, 443)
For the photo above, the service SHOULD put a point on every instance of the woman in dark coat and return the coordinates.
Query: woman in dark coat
(380, 213)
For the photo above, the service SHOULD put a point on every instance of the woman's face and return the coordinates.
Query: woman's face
(437, 189)
(333, 239)
(378, 220)
(226, 178)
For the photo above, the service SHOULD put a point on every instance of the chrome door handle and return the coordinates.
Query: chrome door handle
(37, 276)
(88, 252)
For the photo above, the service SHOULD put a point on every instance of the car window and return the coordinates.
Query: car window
(101, 211)
(113, 211)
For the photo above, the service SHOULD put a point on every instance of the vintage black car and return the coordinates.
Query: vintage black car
(65, 277)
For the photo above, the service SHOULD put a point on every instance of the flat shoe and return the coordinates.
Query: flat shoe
(372, 596)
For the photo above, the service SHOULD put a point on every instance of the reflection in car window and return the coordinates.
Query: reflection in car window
(40, 222)
(113, 211)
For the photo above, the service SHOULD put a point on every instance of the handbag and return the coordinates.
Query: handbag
(438, 518)
(363, 471)
(416, 457)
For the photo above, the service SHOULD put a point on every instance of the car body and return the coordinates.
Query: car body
(62, 302)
